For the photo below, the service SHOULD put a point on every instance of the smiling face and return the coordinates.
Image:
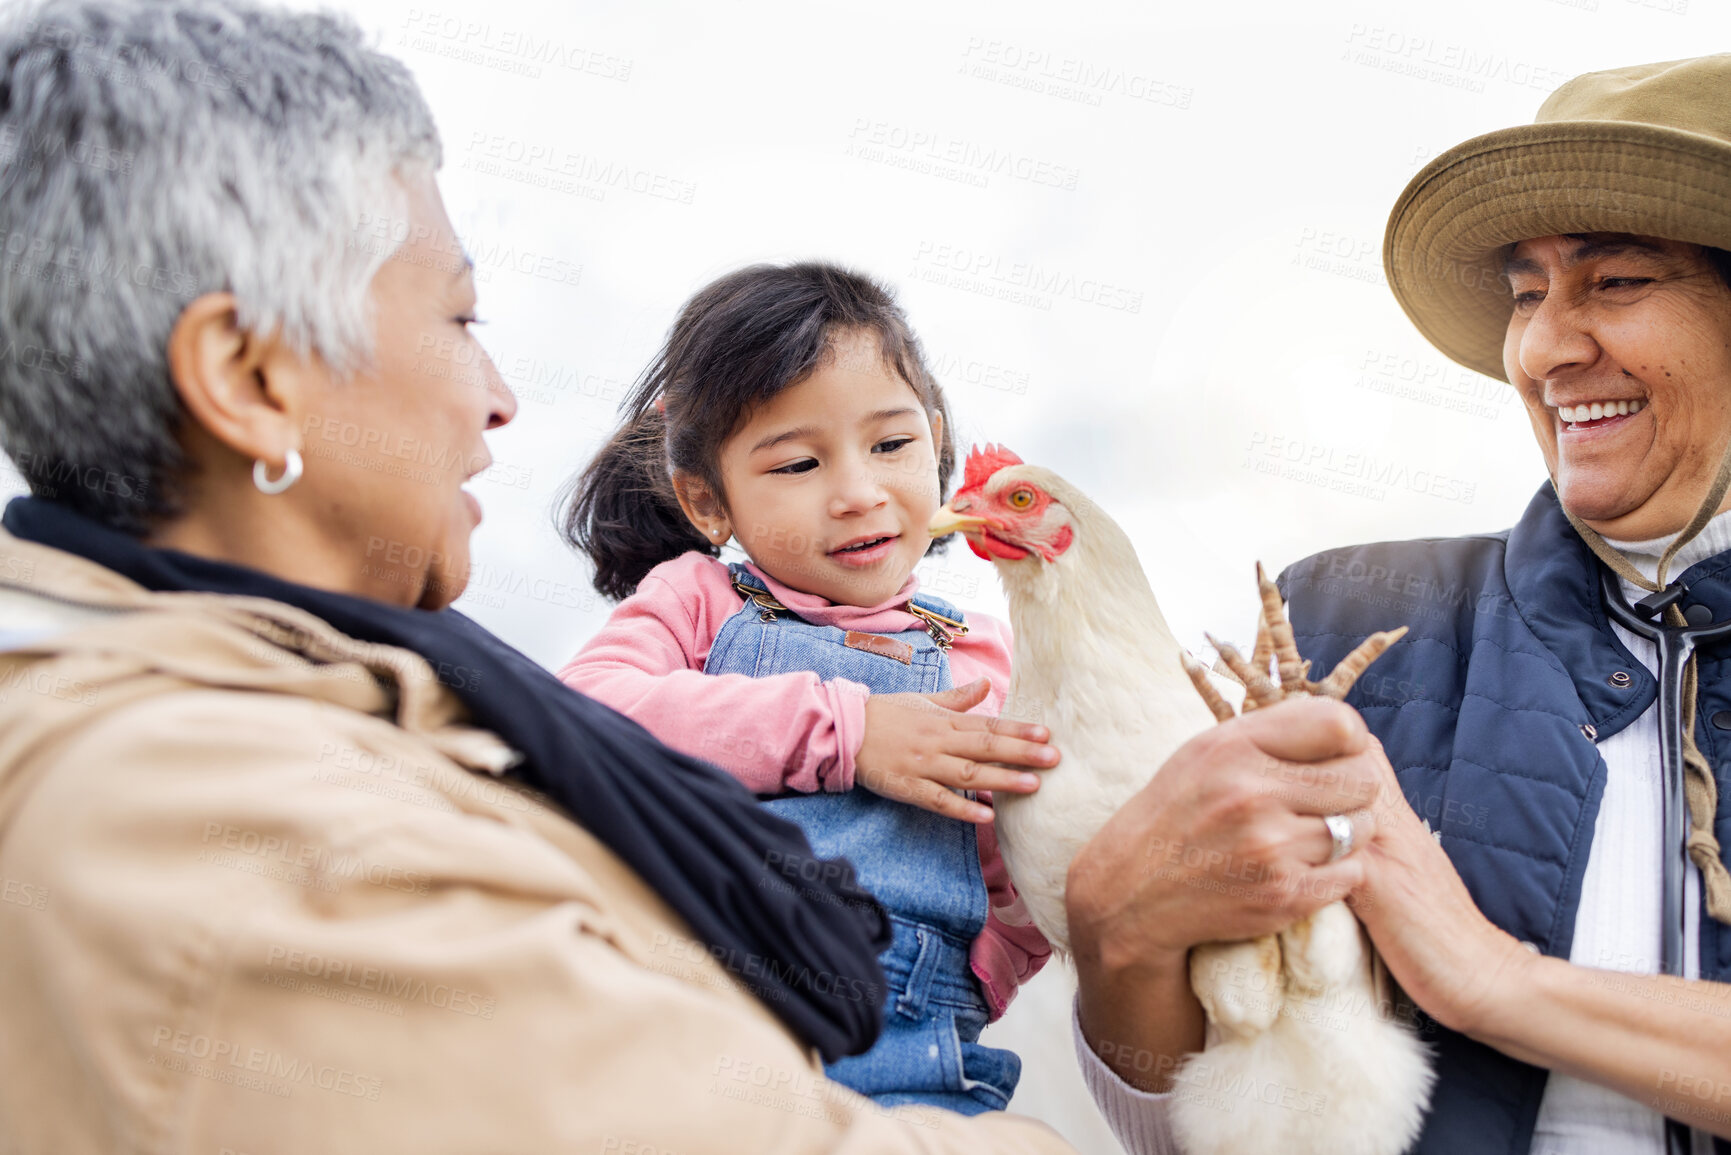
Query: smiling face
(829, 485)
(1620, 347)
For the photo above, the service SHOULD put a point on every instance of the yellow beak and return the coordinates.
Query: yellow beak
(947, 520)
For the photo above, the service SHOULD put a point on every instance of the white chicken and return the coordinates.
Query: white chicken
(1302, 1054)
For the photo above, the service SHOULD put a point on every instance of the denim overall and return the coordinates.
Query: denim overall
(924, 868)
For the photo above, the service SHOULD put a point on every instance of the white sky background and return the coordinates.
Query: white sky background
(1231, 173)
(1233, 166)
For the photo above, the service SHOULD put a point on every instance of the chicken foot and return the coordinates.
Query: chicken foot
(1242, 985)
(1275, 643)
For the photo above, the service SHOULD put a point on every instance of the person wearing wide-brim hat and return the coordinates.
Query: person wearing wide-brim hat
(1566, 934)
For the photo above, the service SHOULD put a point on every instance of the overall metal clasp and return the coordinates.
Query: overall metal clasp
(768, 609)
(943, 630)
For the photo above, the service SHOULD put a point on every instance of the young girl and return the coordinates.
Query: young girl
(791, 412)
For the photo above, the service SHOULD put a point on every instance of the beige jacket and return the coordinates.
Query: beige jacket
(262, 894)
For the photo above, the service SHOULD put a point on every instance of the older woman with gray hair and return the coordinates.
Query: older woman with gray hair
(294, 856)
(1567, 934)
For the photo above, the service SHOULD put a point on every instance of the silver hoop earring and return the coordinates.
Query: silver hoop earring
(291, 473)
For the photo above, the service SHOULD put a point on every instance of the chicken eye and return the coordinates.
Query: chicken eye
(1020, 498)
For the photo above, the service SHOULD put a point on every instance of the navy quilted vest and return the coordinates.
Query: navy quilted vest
(1482, 708)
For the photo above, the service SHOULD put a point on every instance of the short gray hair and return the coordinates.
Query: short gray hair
(155, 150)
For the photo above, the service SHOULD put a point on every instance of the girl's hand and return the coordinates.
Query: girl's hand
(922, 748)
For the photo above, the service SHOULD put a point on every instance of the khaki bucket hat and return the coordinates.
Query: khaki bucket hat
(1644, 150)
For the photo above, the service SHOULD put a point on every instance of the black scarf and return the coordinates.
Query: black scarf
(798, 931)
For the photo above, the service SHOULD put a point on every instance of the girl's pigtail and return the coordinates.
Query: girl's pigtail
(622, 511)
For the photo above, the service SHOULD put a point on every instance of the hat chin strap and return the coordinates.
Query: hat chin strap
(1700, 789)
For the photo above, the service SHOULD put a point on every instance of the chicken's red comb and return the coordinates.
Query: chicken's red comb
(983, 461)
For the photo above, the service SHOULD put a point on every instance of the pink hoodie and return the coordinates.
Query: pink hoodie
(789, 731)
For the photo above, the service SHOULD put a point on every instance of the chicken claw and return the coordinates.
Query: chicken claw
(1262, 652)
(1275, 643)
(1258, 689)
(1285, 648)
(1199, 678)
(1341, 678)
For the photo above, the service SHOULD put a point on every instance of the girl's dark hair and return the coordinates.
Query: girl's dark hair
(740, 341)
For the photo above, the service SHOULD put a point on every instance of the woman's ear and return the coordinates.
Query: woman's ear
(702, 506)
(226, 378)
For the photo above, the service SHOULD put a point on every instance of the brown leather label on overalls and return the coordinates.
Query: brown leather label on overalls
(881, 646)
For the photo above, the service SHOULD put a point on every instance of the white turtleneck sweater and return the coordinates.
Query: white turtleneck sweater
(1616, 925)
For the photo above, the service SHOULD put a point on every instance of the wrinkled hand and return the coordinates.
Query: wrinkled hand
(1448, 957)
(922, 748)
(1227, 842)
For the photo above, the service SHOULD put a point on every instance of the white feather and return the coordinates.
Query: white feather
(1096, 664)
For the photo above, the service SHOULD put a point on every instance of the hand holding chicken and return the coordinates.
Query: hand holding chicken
(1301, 1056)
